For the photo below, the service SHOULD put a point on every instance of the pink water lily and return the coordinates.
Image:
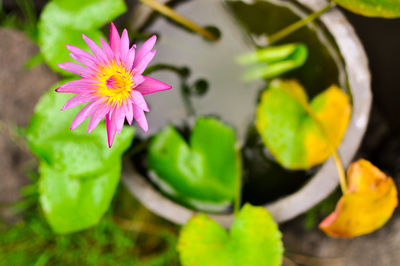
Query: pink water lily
(112, 82)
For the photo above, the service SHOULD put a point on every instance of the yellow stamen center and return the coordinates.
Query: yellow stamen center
(114, 83)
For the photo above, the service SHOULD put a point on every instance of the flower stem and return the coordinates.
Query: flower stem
(170, 13)
(335, 155)
(341, 172)
(298, 24)
(238, 192)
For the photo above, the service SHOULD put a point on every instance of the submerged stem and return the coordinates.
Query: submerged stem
(170, 13)
(299, 24)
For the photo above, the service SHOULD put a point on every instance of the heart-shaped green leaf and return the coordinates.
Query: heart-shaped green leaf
(273, 61)
(291, 134)
(372, 8)
(203, 175)
(63, 22)
(78, 172)
(76, 153)
(254, 240)
(72, 204)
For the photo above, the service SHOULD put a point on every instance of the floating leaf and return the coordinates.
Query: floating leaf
(254, 240)
(72, 204)
(372, 8)
(203, 175)
(366, 206)
(273, 61)
(63, 22)
(291, 134)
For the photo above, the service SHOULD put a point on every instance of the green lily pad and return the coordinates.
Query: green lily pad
(203, 175)
(273, 61)
(72, 204)
(75, 152)
(372, 8)
(253, 240)
(291, 134)
(63, 22)
(78, 172)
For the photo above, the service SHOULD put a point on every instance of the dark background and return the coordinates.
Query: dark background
(381, 39)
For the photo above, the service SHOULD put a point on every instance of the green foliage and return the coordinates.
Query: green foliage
(78, 172)
(274, 61)
(287, 123)
(27, 24)
(63, 22)
(203, 174)
(372, 8)
(254, 240)
(32, 242)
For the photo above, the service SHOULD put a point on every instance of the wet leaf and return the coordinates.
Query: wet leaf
(291, 134)
(72, 204)
(253, 240)
(273, 61)
(372, 8)
(63, 22)
(368, 204)
(203, 175)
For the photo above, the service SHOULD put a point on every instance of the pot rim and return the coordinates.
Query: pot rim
(325, 181)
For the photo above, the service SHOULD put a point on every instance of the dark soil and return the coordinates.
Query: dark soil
(20, 89)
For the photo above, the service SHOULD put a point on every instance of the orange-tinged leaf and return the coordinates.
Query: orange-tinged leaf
(368, 204)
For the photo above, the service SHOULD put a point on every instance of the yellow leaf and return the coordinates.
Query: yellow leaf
(334, 114)
(368, 204)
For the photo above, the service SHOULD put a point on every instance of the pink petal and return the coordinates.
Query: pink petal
(130, 58)
(79, 52)
(75, 68)
(124, 45)
(83, 114)
(137, 79)
(129, 112)
(114, 40)
(76, 86)
(138, 99)
(84, 60)
(119, 118)
(145, 49)
(106, 49)
(150, 85)
(97, 116)
(144, 62)
(111, 129)
(77, 100)
(96, 50)
(140, 118)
